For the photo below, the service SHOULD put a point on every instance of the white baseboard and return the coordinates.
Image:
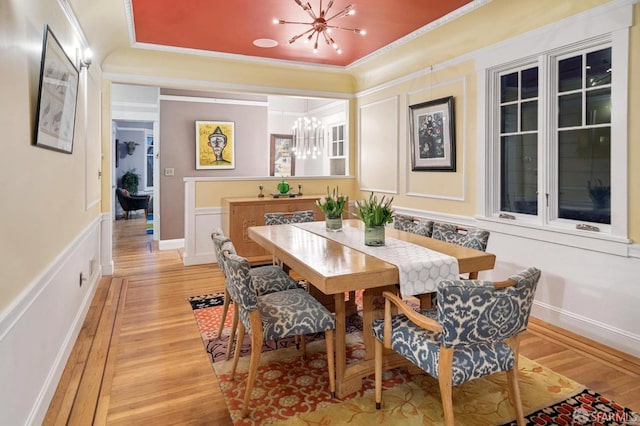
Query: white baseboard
(171, 244)
(586, 327)
(40, 327)
(199, 259)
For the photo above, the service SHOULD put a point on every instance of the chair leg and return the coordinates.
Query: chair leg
(331, 361)
(514, 390)
(445, 373)
(256, 348)
(236, 354)
(378, 372)
(232, 334)
(225, 309)
(303, 346)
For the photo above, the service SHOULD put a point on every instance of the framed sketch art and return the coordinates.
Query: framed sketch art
(215, 145)
(433, 142)
(283, 162)
(57, 97)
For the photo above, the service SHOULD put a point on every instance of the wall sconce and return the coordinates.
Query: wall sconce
(85, 58)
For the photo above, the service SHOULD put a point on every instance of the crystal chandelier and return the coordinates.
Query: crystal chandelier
(321, 25)
(308, 138)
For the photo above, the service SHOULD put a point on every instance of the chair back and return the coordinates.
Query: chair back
(303, 216)
(403, 222)
(412, 224)
(473, 312)
(472, 238)
(284, 218)
(240, 286)
(220, 245)
(275, 219)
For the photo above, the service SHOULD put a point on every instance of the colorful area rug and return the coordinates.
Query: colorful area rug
(149, 228)
(292, 391)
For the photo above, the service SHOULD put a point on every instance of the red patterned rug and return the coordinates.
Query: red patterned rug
(293, 391)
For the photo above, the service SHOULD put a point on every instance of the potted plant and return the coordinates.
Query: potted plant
(130, 181)
(333, 206)
(375, 213)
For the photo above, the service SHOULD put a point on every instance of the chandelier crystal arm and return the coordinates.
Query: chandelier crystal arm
(355, 30)
(346, 11)
(307, 8)
(320, 24)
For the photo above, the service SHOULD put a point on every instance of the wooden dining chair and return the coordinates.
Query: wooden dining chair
(474, 332)
(412, 224)
(266, 279)
(274, 316)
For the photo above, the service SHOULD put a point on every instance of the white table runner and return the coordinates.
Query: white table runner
(420, 268)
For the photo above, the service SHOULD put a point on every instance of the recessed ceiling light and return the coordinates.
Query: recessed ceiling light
(265, 42)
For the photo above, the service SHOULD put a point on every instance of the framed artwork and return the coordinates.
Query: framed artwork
(433, 142)
(57, 97)
(215, 145)
(283, 162)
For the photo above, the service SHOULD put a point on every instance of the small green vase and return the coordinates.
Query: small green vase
(283, 187)
(333, 224)
(374, 236)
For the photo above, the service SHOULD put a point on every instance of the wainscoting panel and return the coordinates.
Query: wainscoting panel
(38, 330)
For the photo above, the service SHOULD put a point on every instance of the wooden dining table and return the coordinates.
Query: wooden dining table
(336, 269)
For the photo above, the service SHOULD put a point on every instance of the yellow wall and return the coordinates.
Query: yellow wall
(443, 50)
(44, 193)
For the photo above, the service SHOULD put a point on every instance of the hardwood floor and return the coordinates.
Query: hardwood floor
(139, 358)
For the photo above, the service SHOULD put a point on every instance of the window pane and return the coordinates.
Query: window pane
(570, 74)
(584, 175)
(599, 67)
(599, 106)
(519, 174)
(529, 116)
(509, 119)
(529, 83)
(570, 110)
(509, 87)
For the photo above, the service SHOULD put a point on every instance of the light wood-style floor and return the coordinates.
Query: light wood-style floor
(139, 358)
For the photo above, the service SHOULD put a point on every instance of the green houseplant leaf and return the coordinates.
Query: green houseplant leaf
(130, 181)
(374, 212)
(333, 204)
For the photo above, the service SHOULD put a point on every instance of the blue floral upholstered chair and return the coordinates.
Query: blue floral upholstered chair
(473, 238)
(474, 332)
(275, 219)
(303, 216)
(266, 279)
(414, 225)
(284, 218)
(274, 316)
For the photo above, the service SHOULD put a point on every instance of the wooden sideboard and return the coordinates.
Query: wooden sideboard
(238, 214)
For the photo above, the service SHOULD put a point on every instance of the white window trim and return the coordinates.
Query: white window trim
(609, 22)
(147, 134)
(331, 141)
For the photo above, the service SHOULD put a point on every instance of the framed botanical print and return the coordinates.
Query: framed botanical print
(215, 145)
(57, 97)
(433, 142)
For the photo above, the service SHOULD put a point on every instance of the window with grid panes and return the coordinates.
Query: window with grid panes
(576, 138)
(337, 158)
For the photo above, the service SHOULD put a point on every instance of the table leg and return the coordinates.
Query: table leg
(372, 309)
(341, 344)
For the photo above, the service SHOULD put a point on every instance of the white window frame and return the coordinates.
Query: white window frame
(605, 25)
(148, 134)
